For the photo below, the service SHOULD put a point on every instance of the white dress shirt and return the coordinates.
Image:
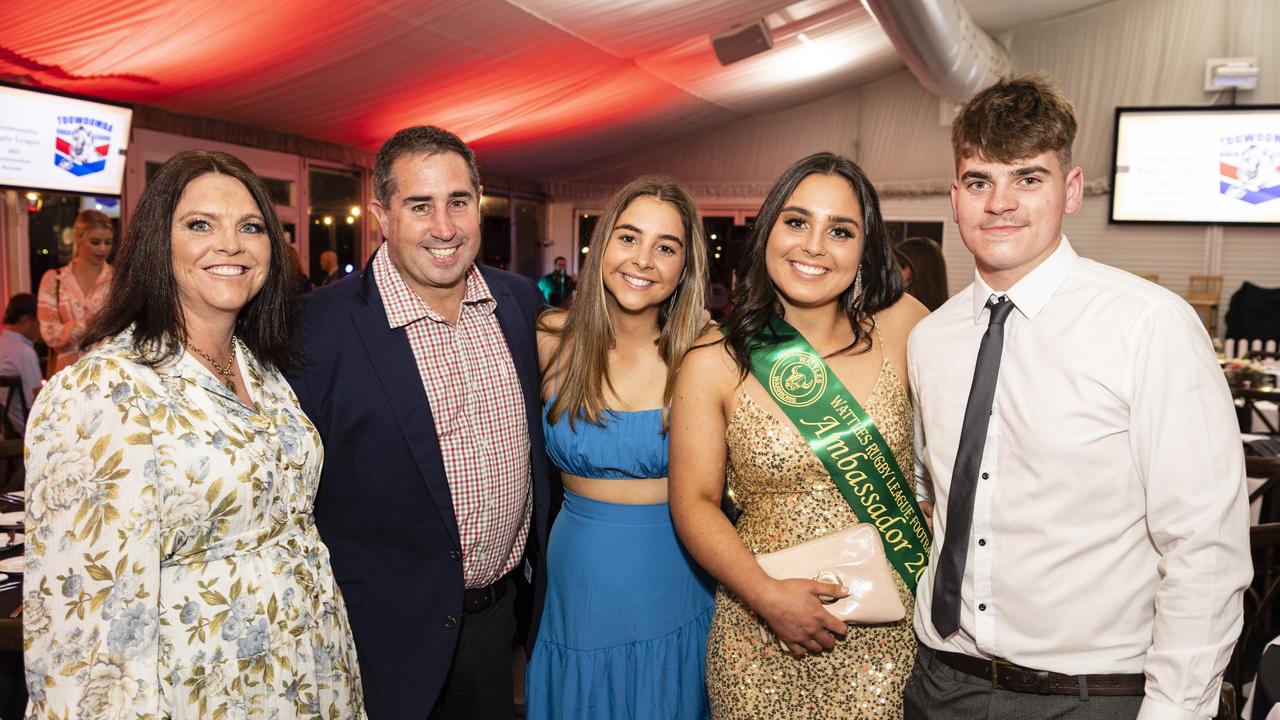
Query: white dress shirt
(1110, 529)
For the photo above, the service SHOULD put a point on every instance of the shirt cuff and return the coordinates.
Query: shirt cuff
(1158, 710)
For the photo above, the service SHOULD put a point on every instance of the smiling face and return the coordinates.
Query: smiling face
(816, 244)
(221, 252)
(432, 225)
(1010, 214)
(643, 261)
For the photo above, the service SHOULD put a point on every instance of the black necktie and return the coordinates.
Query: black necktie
(949, 573)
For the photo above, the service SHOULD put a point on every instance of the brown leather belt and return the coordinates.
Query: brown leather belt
(1004, 675)
(482, 598)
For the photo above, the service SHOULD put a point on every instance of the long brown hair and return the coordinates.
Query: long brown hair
(144, 292)
(587, 332)
(757, 297)
(928, 270)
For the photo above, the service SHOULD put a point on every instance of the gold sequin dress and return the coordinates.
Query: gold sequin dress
(788, 498)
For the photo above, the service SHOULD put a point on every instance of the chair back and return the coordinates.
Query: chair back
(1259, 600)
(1204, 288)
(11, 392)
(1150, 277)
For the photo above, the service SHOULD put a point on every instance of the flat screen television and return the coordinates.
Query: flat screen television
(50, 141)
(1204, 165)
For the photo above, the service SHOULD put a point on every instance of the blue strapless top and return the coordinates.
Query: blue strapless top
(630, 446)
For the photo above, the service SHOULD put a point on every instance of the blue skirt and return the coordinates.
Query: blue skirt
(624, 628)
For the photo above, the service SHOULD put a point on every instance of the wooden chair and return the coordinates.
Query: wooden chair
(13, 474)
(1150, 277)
(1269, 490)
(11, 392)
(1259, 601)
(1204, 292)
(1253, 419)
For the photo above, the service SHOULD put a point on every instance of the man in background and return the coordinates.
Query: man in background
(330, 270)
(18, 356)
(558, 285)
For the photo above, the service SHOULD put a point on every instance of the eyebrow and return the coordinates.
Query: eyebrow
(1017, 172)
(834, 218)
(634, 229)
(1030, 170)
(207, 213)
(427, 198)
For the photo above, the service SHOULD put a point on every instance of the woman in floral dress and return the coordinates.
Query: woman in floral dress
(173, 569)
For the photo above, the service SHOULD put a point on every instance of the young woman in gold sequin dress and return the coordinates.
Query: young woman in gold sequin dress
(818, 256)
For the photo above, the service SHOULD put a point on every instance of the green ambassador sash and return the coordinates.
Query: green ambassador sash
(846, 440)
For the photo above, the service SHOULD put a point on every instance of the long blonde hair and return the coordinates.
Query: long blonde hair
(582, 375)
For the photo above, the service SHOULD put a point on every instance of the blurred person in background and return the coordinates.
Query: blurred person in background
(924, 271)
(71, 295)
(18, 355)
(558, 285)
(330, 270)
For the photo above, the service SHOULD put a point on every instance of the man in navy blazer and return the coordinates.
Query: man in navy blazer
(421, 375)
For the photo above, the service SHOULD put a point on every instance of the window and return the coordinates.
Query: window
(495, 229)
(335, 219)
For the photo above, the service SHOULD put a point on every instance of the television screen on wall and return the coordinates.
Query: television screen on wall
(1208, 165)
(56, 142)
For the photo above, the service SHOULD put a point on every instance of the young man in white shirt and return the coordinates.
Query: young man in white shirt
(1081, 445)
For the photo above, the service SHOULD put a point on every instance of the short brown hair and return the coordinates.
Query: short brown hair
(1015, 119)
(418, 140)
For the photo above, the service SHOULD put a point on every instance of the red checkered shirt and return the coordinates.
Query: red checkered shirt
(479, 411)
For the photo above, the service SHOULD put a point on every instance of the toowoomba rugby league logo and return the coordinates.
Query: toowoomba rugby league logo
(82, 145)
(1249, 166)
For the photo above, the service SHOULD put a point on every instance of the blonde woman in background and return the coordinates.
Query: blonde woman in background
(71, 295)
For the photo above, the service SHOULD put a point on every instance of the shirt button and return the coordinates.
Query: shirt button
(981, 606)
(450, 622)
(985, 476)
(982, 542)
(455, 554)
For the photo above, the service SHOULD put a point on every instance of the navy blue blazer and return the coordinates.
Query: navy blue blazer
(384, 508)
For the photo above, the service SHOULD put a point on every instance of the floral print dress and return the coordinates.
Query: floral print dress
(173, 569)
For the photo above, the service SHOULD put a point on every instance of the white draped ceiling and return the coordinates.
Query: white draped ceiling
(537, 86)
(532, 84)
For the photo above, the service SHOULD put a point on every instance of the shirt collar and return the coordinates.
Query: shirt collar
(1032, 292)
(21, 338)
(403, 306)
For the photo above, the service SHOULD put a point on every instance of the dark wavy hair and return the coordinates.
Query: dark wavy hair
(928, 270)
(144, 292)
(757, 298)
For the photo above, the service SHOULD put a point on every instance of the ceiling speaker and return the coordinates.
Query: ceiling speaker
(742, 42)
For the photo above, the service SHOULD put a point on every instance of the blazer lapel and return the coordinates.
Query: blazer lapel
(397, 371)
(519, 342)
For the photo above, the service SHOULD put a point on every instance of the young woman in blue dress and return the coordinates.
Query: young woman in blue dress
(623, 632)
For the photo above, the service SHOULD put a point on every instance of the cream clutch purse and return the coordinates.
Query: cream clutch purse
(852, 557)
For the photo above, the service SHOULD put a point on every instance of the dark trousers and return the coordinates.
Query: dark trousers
(479, 682)
(938, 692)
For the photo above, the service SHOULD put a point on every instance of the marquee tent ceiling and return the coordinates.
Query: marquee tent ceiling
(535, 86)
